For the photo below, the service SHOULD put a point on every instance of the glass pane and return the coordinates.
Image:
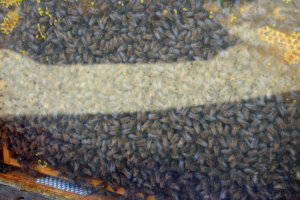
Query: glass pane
(179, 99)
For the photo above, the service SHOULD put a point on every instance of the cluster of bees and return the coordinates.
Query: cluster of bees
(290, 42)
(241, 150)
(108, 31)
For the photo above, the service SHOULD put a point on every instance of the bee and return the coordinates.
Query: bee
(182, 35)
(108, 35)
(92, 21)
(29, 36)
(201, 15)
(170, 35)
(197, 109)
(251, 106)
(187, 137)
(156, 126)
(153, 116)
(50, 4)
(206, 39)
(76, 166)
(126, 131)
(246, 113)
(164, 50)
(33, 46)
(51, 161)
(123, 56)
(121, 48)
(201, 142)
(201, 24)
(128, 125)
(49, 51)
(95, 11)
(271, 129)
(282, 110)
(87, 171)
(210, 142)
(72, 11)
(189, 21)
(98, 59)
(250, 191)
(138, 49)
(232, 142)
(44, 19)
(196, 34)
(243, 147)
(146, 47)
(242, 122)
(222, 164)
(209, 118)
(157, 35)
(132, 59)
(62, 4)
(148, 36)
(85, 56)
(220, 128)
(61, 11)
(272, 115)
(58, 15)
(116, 18)
(213, 128)
(221, 32)
(176, 126)
(204, 124)
(268, 108)
(280, 123)
(180, 143)
(124, 21)
(189, 127)
(174, 51)
(174, 187)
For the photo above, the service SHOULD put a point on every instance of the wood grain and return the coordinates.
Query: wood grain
(44, 170)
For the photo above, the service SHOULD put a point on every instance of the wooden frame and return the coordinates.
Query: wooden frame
(22, 180)
(44, 170)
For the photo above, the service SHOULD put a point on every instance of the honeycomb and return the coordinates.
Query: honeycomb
(10, 21)
(9, 3)
(290, 42)
(12, 17)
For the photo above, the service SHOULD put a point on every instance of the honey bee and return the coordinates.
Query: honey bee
(243, 147)
(196, 34)
(170, 35)
(44, 19)
(242, 122)
(282, 109)
(95, 11)
(280, 123)
(272, 115)
(213, 128)
(271, 129)
(132, 59)
(210, 117)
(163, 50)
(206, 40)
(246, 113)
(157, 35)
(33, 46)
(210, 142)
(175, 187)
(189, 21)
(182, 35)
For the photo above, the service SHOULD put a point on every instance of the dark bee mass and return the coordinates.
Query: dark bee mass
(116, 32)
(241, 150)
